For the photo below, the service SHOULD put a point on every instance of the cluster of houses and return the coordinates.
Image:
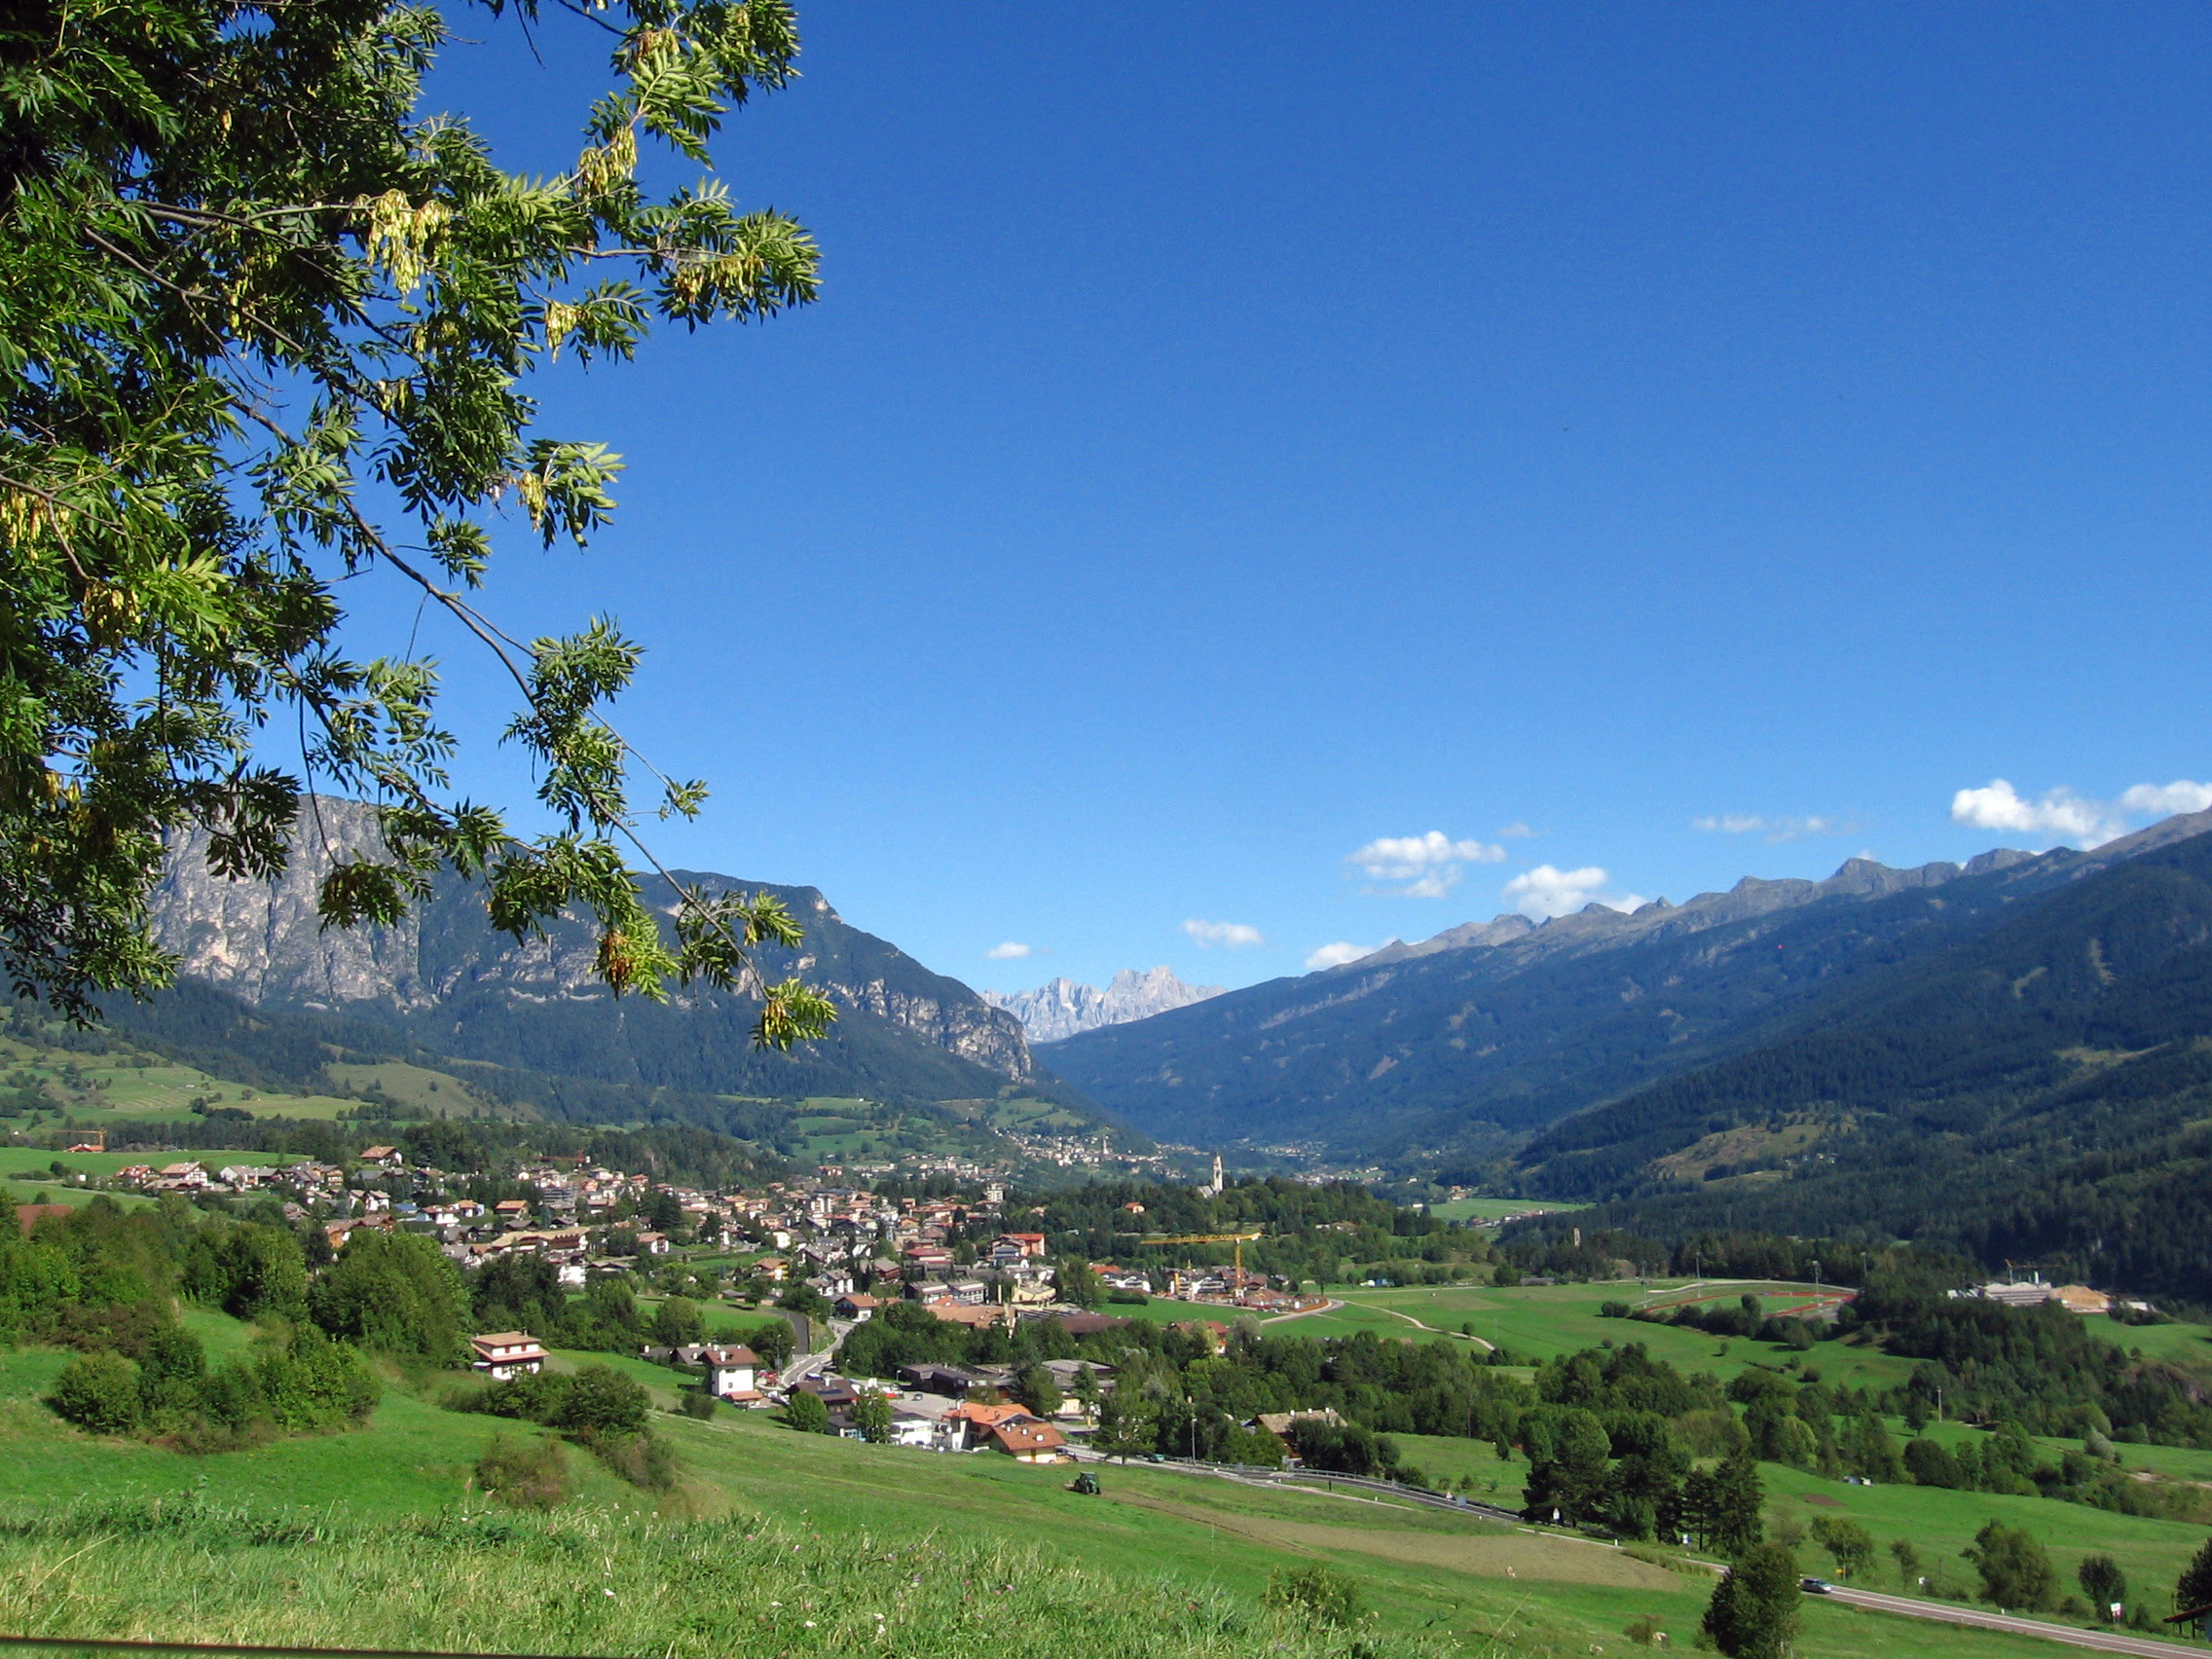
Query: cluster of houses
(854, 1247)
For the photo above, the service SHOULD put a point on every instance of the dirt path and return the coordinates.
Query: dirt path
(1435, 1330)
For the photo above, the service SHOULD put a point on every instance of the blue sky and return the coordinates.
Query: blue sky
(1646, 445)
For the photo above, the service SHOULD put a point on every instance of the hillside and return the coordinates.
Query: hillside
(1451, 1051)
(443, 980)
(2040, 1089)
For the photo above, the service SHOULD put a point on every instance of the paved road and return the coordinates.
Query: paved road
(806, 1364)
(1945, 1613)
(2110, 1640)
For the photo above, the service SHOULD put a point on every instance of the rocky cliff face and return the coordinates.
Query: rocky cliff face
(448, 979)
(1063, 1008)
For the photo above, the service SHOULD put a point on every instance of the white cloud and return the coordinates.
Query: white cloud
(1430, 863)
(1234, 934)
(1547, 890)
(2075, 818)
(1337, 954)
(1008, 952)
(1515, 832)
(1775, 830)
(2165, 799)
(2059, 812)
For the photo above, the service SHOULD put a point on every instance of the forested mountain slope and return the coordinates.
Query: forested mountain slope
(1455, 1046)
(2037, 1089)
(444, 979)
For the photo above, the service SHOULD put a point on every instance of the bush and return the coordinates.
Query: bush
(598, 1398)
(1316, 1593)
(100, 1392)
(524, 1477)
(2016, 1572)
(639, 1459)
(394, 1292)
(806, 1413)
(699, 1404)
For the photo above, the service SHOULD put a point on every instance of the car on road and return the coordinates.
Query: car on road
(1815, 1586)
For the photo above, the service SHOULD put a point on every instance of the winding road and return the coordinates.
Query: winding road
(1947, 1612)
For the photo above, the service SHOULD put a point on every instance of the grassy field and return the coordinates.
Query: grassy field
(19, 1160)
(2189, 1345)
(1155, 1537)
(1941, 1524)
(90, 1088)
(1543, 1321)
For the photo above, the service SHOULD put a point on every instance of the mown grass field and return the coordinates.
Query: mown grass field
(1543, 1321)
(15, 1161)
(1154, 1538)
(90, 1088)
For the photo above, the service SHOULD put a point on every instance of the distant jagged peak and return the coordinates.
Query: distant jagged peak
(1599, 926)
(1063, 1007)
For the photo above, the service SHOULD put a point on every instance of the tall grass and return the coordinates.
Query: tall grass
(600, 1582)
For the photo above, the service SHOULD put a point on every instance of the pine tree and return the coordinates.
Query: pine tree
(1737, 1494)
(2193, 1589)
(1753, 1614)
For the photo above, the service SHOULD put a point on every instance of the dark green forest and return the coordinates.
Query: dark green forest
(2040, 1092)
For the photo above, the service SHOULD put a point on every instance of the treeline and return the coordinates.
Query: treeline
(290, 1050)
(1325, 1233)
(104, 1282)
(2041, 1092)
(1174, 1395)
(107, 1282)
(2039, 1367)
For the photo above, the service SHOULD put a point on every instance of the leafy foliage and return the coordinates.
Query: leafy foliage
(524, 1476)
(1755, 1611)
(392, 1291)
(2016, 1572)
(244, 284)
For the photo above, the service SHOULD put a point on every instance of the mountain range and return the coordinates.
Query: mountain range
(444, 980)
(2035, 1084)
(2011, 1056)
(1062, 1007)
(1457, 1049)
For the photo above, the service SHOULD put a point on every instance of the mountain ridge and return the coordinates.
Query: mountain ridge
(444, 978)
(1464, 1043)
(2037, 1090)
(1061, 1007)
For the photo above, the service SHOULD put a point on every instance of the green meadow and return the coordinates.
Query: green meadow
(1154, 1537)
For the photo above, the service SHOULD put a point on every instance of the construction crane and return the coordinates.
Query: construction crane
(1239, 1240)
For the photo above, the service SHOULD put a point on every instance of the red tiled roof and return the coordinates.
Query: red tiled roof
(1027, 1437)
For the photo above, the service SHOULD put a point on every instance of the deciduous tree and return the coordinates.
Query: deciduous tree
(2016, 1572)
(264, 327)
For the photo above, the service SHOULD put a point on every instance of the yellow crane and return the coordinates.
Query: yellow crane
(1239, 1240)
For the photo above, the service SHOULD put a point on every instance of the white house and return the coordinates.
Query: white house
(504, 1353)
(733, 1374)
